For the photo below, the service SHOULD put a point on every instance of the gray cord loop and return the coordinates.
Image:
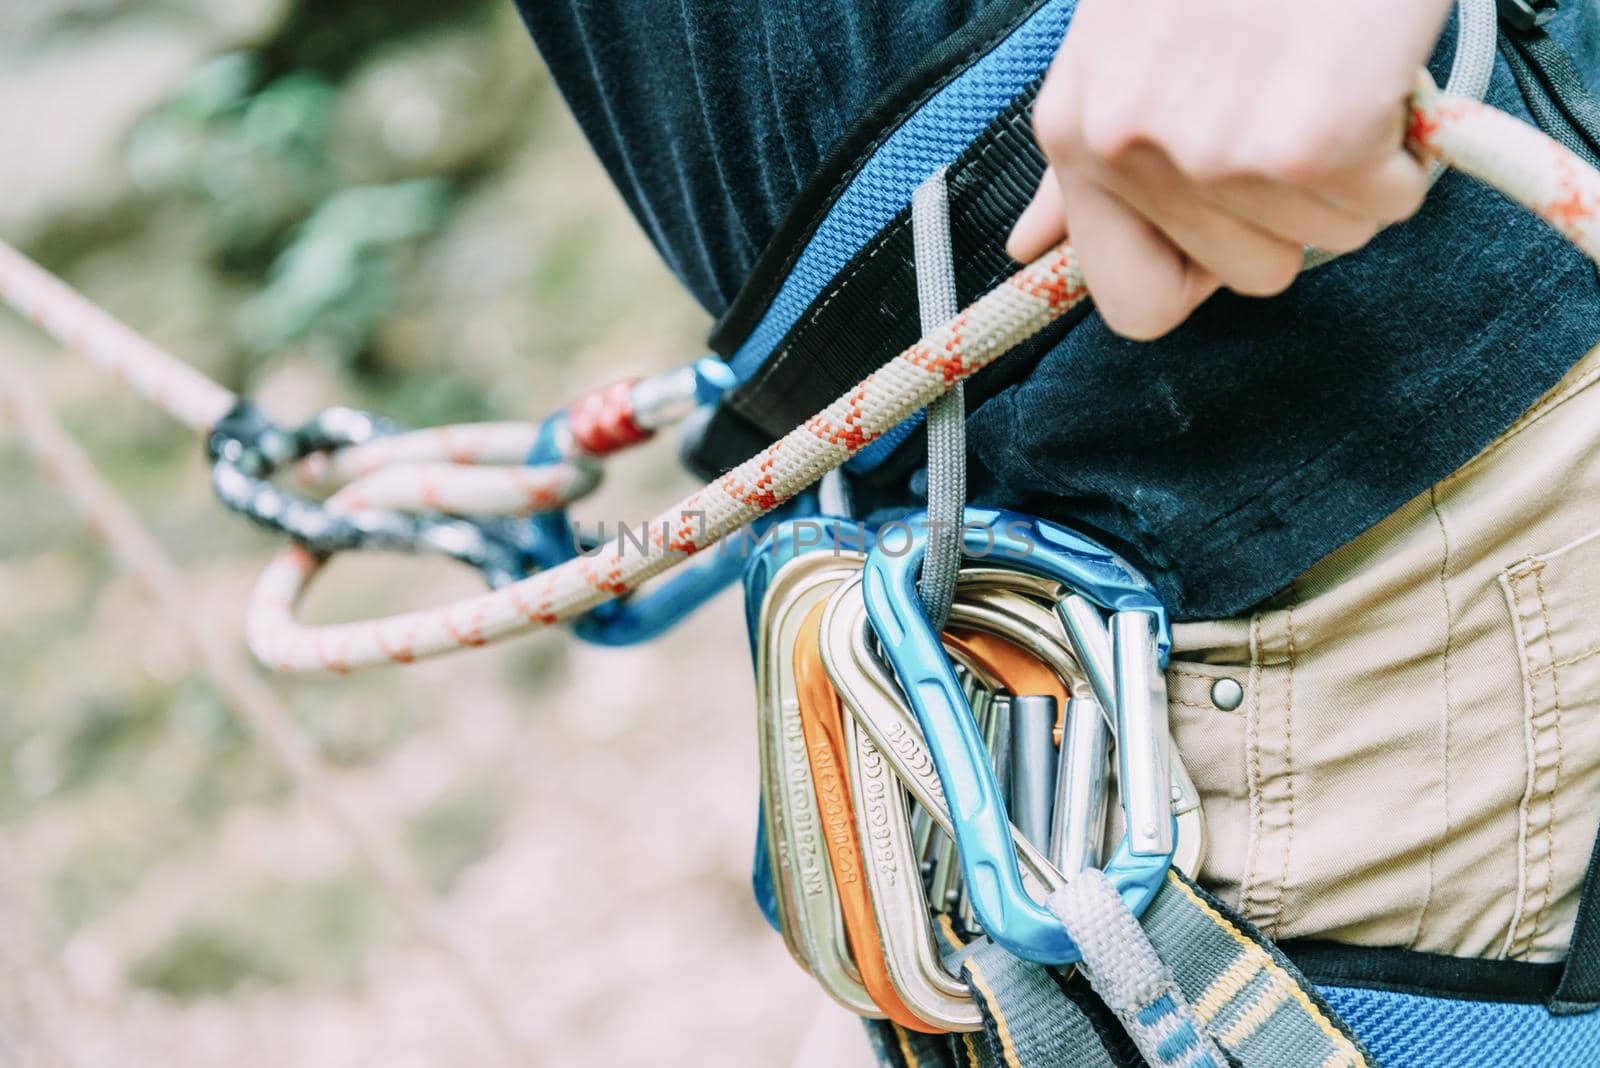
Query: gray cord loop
(947, 416)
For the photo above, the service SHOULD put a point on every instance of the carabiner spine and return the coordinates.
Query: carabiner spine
(1143, 740)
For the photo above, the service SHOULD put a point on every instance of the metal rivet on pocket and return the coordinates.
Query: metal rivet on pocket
(1227, 694)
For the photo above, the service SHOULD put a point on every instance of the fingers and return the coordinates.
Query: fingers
(1362, 168)
(1160, 223)
(1143, 285)
(1042, 223)
(1298, 215)
(1241, 255)
(1197, 146)
(1389, 189)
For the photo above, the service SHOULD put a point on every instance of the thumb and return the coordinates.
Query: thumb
(1042, 223)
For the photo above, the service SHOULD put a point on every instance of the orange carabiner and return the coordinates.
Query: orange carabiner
(822, 720)
(1015, 669)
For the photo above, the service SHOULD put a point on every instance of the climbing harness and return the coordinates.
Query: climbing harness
(936, 724)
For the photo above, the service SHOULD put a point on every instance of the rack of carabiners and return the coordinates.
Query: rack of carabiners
(891, 755)
(920, 788)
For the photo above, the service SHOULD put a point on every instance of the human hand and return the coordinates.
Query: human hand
(1197, 144)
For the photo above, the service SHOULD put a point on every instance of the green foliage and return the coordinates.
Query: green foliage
(456, 832)
(339, 277)
(375, 204)
(92, 880)
(277, 932)
(253, 160)
(202, 960)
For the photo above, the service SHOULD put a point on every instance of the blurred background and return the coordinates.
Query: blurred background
(384, 205)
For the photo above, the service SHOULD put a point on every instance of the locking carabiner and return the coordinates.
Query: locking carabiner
(606, 421)
(1140, 642)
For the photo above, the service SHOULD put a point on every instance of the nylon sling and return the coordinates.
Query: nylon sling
(1252, 1001)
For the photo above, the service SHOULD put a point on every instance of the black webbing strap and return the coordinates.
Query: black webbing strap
(1251, 999)
(869, 312)
(898, 1047)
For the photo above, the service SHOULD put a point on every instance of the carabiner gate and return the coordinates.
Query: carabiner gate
(1139, 640)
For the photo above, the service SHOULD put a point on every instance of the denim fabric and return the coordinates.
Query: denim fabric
(1226, 458)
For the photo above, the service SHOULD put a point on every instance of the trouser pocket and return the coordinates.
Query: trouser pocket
(1414, 757)
(1554, 600)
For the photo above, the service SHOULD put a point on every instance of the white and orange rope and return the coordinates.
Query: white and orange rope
(1513, 157)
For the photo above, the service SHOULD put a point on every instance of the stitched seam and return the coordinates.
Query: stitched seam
(1513, 598)
(1510, 586)
(1449, 643)
(1568, 662)
(1555, 785)
(741, 400)
(1203, 706)
(1541, 408)
(895, 227)
(1288, 762)
(1252, 741)
(1185, 673)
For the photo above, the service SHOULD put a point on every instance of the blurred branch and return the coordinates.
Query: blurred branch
(254, 703)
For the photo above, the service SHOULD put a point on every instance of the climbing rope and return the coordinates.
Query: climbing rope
(425, 474)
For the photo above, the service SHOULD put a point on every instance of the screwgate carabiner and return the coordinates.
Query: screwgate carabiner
(597, 425)
(1141, 641)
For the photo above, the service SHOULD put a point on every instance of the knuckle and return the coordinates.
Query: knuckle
(1110, 137)
(1055, 126)
(1349, 238)
(1205, 160)
(1269, 272)
(1407, 202)
(1138, 324)
(1303, 159)
(1142, 314)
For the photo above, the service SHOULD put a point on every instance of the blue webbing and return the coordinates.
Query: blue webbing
(1412, 1031)
(932, 137)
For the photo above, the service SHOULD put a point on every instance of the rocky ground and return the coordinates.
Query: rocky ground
(387, 206)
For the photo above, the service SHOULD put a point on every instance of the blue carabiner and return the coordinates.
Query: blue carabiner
(977, 810)
(551, 541)
(781, 544)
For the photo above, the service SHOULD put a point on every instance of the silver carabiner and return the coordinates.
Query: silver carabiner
(808, 903)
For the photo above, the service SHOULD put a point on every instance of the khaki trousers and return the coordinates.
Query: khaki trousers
(1415, 760)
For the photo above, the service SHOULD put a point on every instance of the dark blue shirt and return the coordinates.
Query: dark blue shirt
(1225, 458)
(710, 115)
